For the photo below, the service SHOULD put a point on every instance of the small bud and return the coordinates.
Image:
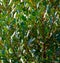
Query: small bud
(21, 0)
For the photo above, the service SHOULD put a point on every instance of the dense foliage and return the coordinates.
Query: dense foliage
(29, 31)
